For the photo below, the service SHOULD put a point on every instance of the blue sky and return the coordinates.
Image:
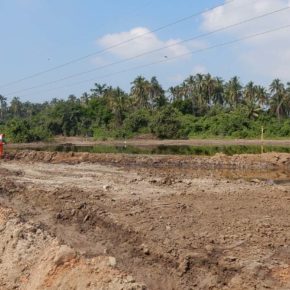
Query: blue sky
(40, 34)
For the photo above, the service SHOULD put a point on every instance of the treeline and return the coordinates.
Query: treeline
(201, 106)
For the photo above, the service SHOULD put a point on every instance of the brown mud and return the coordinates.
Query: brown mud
(105, 221)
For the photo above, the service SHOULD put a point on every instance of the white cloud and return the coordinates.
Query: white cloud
(266, 55)
(240, 10)
(148, 42)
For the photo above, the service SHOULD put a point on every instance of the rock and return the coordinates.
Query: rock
(236, 281)
(184, 265)
(64, 255)
(112, 261)
(145, 249)
(86, 218)
(231, 259)
(209, 248)
(107, 187)
(130, 279)
(255, 180)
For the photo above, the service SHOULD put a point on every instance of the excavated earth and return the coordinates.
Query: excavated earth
(105, 221)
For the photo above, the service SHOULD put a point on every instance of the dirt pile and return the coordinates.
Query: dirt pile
(32, 259)
(219, 161)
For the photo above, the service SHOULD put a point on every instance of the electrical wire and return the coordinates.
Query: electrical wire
(81, 58)
(150, 52)
(173, 58)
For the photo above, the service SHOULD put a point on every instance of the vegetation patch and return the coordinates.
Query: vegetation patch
(201, 106)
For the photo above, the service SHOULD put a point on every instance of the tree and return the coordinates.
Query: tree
(16, 107)
(279, 99)
(140, 92)
(262, 96)
(99, 90)
(118, 104)
(218, 94)
(167, 124)
(157, 97)
(3, 107)
(233, 92)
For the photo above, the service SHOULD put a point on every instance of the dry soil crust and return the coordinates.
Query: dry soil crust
(168, 222)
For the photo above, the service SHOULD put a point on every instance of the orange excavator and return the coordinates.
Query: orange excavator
(2, 143)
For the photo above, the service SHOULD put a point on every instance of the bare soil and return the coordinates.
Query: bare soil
(93, 221)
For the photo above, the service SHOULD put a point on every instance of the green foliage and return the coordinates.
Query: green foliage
(201, 106)
(167, 124)
(138, 121)
(20, 131)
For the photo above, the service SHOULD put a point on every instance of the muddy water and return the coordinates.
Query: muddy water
(167, 150)
(279, 176)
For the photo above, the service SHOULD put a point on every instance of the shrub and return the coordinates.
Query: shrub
(167, 124)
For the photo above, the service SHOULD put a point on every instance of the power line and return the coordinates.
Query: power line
(149, 52)
(176, 57)
(116, 45)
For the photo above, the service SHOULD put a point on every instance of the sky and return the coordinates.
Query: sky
(40, 35)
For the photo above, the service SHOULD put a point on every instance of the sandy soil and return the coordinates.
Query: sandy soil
(91, 221)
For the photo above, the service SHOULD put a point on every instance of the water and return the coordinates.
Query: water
(167, 150)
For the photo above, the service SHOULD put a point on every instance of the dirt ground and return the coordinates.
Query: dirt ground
(92, 221)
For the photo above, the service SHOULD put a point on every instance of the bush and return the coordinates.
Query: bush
(167, 124)
(20, 131)
(138, 122)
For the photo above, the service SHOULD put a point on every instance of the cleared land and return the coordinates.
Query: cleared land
(92, 221)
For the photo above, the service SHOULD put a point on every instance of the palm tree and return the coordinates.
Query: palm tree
(197, 89)
(3, 106)
(262, 96)
(156, 94)
(249, 93)
(16, 107)
(279, 98)
(190, 90)
(218, 95)
(255, 97)
(174, 93)
(118, 104)
(233, 92)
(99, 90)
(140, 92)
(208, 88)
(84, 98)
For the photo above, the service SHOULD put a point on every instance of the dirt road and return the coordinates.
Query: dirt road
(85, 221)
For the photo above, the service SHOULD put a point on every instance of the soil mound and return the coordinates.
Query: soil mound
(32, 259)
(244, 161)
